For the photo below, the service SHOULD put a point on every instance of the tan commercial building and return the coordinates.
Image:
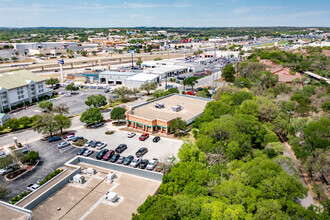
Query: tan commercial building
(157, 115)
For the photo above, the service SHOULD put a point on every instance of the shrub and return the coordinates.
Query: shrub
(19, 197)
(109, 132)
(50, 176)
(80, 143)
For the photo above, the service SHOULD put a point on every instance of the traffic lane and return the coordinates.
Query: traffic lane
(50, 159)
(161, 150)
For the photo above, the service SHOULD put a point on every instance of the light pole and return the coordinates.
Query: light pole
(61, 62)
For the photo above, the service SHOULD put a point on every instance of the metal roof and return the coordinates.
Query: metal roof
(19, 78)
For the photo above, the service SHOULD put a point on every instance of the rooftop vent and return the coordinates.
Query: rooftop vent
(159, 105)
(176, 108)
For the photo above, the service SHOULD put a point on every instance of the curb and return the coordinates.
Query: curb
(9, 180)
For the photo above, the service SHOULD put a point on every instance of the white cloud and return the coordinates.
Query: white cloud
(248, 9)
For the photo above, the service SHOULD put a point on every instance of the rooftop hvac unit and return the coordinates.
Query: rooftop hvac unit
(111, 196)
(111, 176)
(79, 179)
(159, 105)
(176, 108)
(90, 170)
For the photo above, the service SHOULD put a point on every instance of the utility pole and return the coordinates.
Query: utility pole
(61, 62)
(132, 52)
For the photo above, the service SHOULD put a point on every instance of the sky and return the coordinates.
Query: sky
(164, 13)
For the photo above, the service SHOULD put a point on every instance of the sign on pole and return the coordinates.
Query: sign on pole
(132, 51)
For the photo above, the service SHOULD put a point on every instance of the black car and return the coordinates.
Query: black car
(100, 155)
(128, 160)
(121, 148)
(97, 125)
(121, 160)
(142, 151)
(81, 151)
(114, 158)
(156, 139)
(144, 164)
(77, 138)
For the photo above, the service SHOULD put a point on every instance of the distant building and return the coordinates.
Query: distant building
(162, 32)
(114, 77)
(47, 52)
(3, 118)
(137, 80)
(21, 86)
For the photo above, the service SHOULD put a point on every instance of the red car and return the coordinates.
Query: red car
(191, 93)
(196, 74)
(203, 74)
(70, 133)
(108, 155)
(143, 136)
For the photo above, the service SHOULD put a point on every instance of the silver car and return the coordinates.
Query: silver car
(136, 162)
(63, 144)
(101, 145)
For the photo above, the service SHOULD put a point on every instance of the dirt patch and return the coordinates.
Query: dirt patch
(15, 174)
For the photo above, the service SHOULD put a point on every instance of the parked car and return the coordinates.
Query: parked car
(24, 151)
(8, 169)
(128, 160)
(191, 93)
(88, 143)
(77, 138)
(101, 145)
(121, 148)
(114, 158)
(108, 155)
(159, 167)
(68, 134)
(32, 187)
(97, 125)
(170, 159)
(54, 138)
(144, 164)
(3, 154)
(81, 151)
(93, 143)
(156, 139)
(63, 144)
(131, 134)
(142, 151)
(88, 153)
(69, 138)
(100, 154)
(121, 160)
(199, 89)
(143, 136)
(135, 162)
(152, 164)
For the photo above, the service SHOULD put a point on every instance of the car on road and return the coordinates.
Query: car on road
(54, 138)
(81, 151)
(114, 158)
(32, 187)
(77, 138)
(63, 144)
(121, 148)
(152, 164)
(121, 159)
(135, 162)
(191, 93)
(142, 151)
(131, 134)
(144, 164)
(87, 153)
(108, 155)
(144, 136)
(156, 139)
(69, 134)
(100, 154)
(101, 145)
(97, 125)
(128, 160)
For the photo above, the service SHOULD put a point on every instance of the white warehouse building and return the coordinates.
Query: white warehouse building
(21, 86)
(167, 70)
(138, 79)
(114, 77)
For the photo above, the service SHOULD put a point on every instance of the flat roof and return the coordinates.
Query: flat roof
(19, 78)
(191, 107)
(142, 77)
(166, 68)
(118, 73)
(9, 211)
(86, 201)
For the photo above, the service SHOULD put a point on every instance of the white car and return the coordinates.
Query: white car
(32, 187)
(69, 137)
(67, 94)
(135, 162)
(152, 164)
(130, 135)
(101, 145)
(63, 144)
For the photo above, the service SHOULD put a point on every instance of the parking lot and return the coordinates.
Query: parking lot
(161, 150)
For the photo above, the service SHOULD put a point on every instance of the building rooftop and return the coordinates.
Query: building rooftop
(9, 211)
(191, 106)
(166, 68)
(17, 79)
(118, 73)
(143, 77)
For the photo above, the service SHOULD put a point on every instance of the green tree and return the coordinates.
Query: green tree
(46, 124)
(4, 192)
(303, 107)
(62, 108)
(326, 106)
(83, 53)
(25, 121)
(96, 100)
(71, 87)
(13, 124)
(135, 92)
(202, 94)
(30, 158)
(14, 58)
(62, 122)
(317, 133)
(118, 113)
(242, 82)
(46, 105)
(177, 126)
(139, 62)
(52, 81)
(228, 73)
(191, 81)
(250, 107)
(148, 86)
(91, 116)
(267, 108)
(122, 92)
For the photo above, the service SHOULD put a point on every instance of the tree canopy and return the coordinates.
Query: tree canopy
(91, 116)
(96, 100)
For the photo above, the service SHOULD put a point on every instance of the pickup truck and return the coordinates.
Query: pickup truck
(32, 187)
